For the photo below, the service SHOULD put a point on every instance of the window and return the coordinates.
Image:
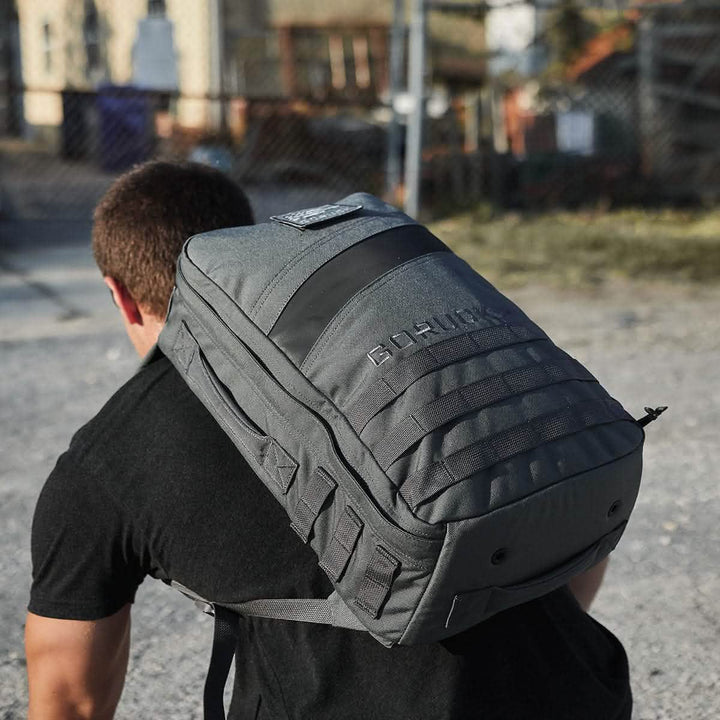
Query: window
(337, 61)
(91, 36)
(47, 46)
(361, 55)
(156, 8)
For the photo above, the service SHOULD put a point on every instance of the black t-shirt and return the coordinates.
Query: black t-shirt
(151, 486)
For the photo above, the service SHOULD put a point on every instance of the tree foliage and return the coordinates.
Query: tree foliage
(567, 32)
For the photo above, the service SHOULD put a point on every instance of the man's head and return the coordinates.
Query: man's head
(140, 226)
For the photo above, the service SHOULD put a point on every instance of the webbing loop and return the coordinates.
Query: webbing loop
(433, 479)
(434, 357)
(377, 581)
(337, 555)
(310, 503)
(280, 465)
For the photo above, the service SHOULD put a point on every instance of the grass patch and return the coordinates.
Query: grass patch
(583, 249)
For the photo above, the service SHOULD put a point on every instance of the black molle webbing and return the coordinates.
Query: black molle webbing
(433, 479)
(477, 395)
(434, 357)
(376, 583)
(310, 503)
(336, 557)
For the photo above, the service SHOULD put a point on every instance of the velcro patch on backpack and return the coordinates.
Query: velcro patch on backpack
(302, 219)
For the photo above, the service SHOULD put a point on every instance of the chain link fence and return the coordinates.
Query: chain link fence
(679, 91)
(292, 103)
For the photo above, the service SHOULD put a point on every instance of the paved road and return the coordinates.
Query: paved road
(63, 353)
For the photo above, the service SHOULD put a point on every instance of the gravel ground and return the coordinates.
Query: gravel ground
(63, 354)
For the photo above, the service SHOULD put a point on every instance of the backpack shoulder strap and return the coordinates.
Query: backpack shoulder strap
(325, 611)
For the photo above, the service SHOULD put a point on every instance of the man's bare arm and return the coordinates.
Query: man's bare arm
(76, 668)
(585, 585)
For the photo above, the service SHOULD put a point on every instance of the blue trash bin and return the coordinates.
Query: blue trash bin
(125, 120)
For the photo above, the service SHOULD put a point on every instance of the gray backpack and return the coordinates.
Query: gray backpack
(443, 458)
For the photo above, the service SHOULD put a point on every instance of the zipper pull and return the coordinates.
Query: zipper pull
(652, 414)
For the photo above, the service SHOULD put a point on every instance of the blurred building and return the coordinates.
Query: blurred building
(11, 114)
(197, 51)
(512, 31)
(80, 45)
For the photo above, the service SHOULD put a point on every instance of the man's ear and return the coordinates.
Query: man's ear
(124, 301)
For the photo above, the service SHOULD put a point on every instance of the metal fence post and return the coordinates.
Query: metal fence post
(397, 56)
(416, 71)
(218, 120)
(647, 99)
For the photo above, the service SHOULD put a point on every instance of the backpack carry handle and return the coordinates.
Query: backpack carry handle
(490, 600)
(256, 446)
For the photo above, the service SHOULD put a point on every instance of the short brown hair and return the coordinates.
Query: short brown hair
(143, 220)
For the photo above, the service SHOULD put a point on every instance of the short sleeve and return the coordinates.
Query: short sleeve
(84, 563)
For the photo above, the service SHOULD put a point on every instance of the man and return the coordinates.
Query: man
(152, 486)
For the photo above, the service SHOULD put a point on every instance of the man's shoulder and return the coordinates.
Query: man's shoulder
(155, 397)
(99, 494)
(148, 379)
(153, 438)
